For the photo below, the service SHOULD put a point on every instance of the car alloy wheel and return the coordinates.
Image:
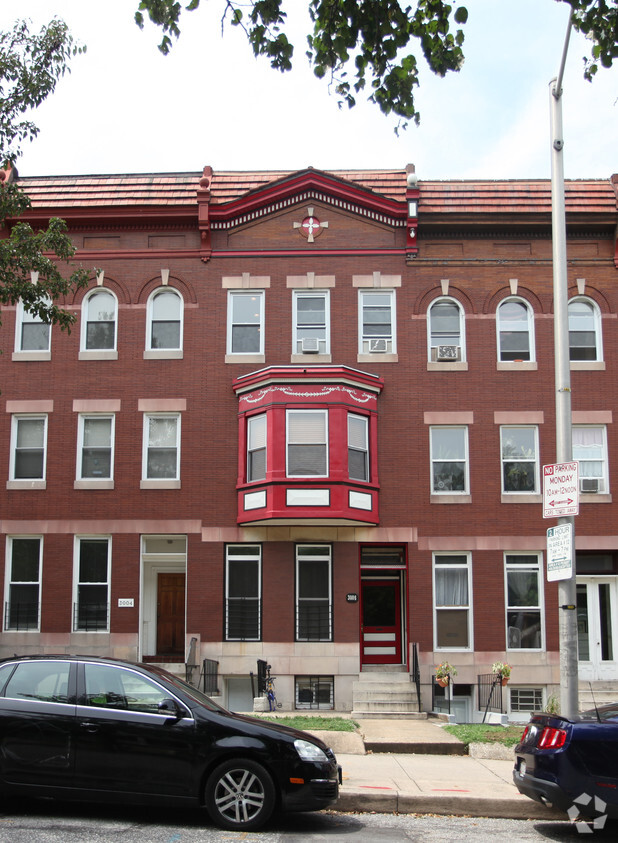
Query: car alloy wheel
(240, 795)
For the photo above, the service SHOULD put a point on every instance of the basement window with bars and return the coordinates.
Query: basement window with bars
(314, 692)
(526, 699)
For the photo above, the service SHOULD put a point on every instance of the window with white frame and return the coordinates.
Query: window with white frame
(165, 318)
(590, 450)
(245, 330)
(256, 447)
(31, 332)
(526, 699)
(520, 464)
(377, 321)
(307, 443)
(446, 331)
(449, 459)
(515, 331)
(243, 592)
(23, 583)
(358, 447)
(311, 321)
(584, 330)
(524, 621)
(29, 447)
(95, 448)
(452, 601)
(99, 312)
(92, 574)
(313, 593)
(161, 459)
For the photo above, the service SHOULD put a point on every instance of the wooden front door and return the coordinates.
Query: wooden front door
(171, 614)
(381, 622)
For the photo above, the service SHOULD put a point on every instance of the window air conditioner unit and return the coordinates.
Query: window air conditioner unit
(589, 484)
(378, 346)
(310, 345)
(446, 353)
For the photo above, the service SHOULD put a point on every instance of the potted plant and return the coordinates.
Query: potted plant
(503, 670)
(444, 671)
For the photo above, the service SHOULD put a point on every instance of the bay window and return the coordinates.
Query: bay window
(307, 443)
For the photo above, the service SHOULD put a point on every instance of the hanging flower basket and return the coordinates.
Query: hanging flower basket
(505, 680)
(503, 670)
(444, 671)
(443, 683)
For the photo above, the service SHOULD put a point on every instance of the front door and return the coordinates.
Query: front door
(170, 614)
(597, 630)
(380, 621)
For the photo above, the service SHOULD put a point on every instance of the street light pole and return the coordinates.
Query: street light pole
(567, 592)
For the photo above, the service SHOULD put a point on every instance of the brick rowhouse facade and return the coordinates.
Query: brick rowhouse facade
(302, 417)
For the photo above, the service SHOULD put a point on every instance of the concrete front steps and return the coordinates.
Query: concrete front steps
(599, 693)
(385, 691)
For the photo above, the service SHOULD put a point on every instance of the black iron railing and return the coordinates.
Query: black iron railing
(20, 615)
(90, 617)
(210, 676)
(489, 692)
(415, 673)
(313, 622)
(243, 619)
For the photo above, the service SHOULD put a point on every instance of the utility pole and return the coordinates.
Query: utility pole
(567, 591)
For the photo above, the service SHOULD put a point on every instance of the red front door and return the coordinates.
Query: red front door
(171, 615)
(380, 622)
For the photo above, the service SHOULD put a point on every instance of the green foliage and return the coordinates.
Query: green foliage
(469, 733)
(359, 44)
(30, 66)
(315, 723)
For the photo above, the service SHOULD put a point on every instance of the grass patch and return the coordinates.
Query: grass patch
(469, 733)
(315, 723)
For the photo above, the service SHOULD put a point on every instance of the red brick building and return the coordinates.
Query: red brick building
(302, 417)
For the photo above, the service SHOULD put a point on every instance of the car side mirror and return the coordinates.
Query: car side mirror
(169, 706)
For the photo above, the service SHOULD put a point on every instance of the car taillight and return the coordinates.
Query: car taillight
(523, 737)
(552, 738)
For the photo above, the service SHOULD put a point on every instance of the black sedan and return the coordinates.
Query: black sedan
(90, 729)
(571, 763)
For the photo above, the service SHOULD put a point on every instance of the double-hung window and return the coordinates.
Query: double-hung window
(358, 447)
(520, 462)
(313, 593)
(524, 627)
(452, 602)
(590, 449)
(446, 331)
(32, 334)
(515, 339)
(28, 451)
(584, 331)
(449, 459)
(256, 448)
(307, 443)
(311, 319)
(377, 321)
(161, 458)
(23, 583)
(243, 592)
(91, 601)
(95, 448)
(245, 330)
(165, 317)
(99, 321)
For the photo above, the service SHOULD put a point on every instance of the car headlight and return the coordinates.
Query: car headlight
(309, 751)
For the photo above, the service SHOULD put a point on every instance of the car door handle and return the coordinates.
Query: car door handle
(89, 727)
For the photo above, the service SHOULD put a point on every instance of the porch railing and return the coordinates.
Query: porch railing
(415, 672)
(489, 692)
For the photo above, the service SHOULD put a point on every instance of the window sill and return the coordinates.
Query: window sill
(587, 365)
(163, 354)
(159, 484)
(97, 355)
(595, 498)
(378, 357)
(446, 498)
(457, 366)
(31, 355)
(514, 366)
(93, 484)
(520, 497)
(26, 484)
(245, 358)
(308, 359)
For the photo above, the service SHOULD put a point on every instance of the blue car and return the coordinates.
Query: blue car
(571, 763)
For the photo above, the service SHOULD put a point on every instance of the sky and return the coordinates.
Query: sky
(126, 108)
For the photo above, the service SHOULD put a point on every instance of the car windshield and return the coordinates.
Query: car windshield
(187, 689)
(604, 713)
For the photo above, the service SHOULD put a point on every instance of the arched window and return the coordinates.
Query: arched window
(446, 331)
(165, 310)
(99, 313)
(584, 330)
(515, 331)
